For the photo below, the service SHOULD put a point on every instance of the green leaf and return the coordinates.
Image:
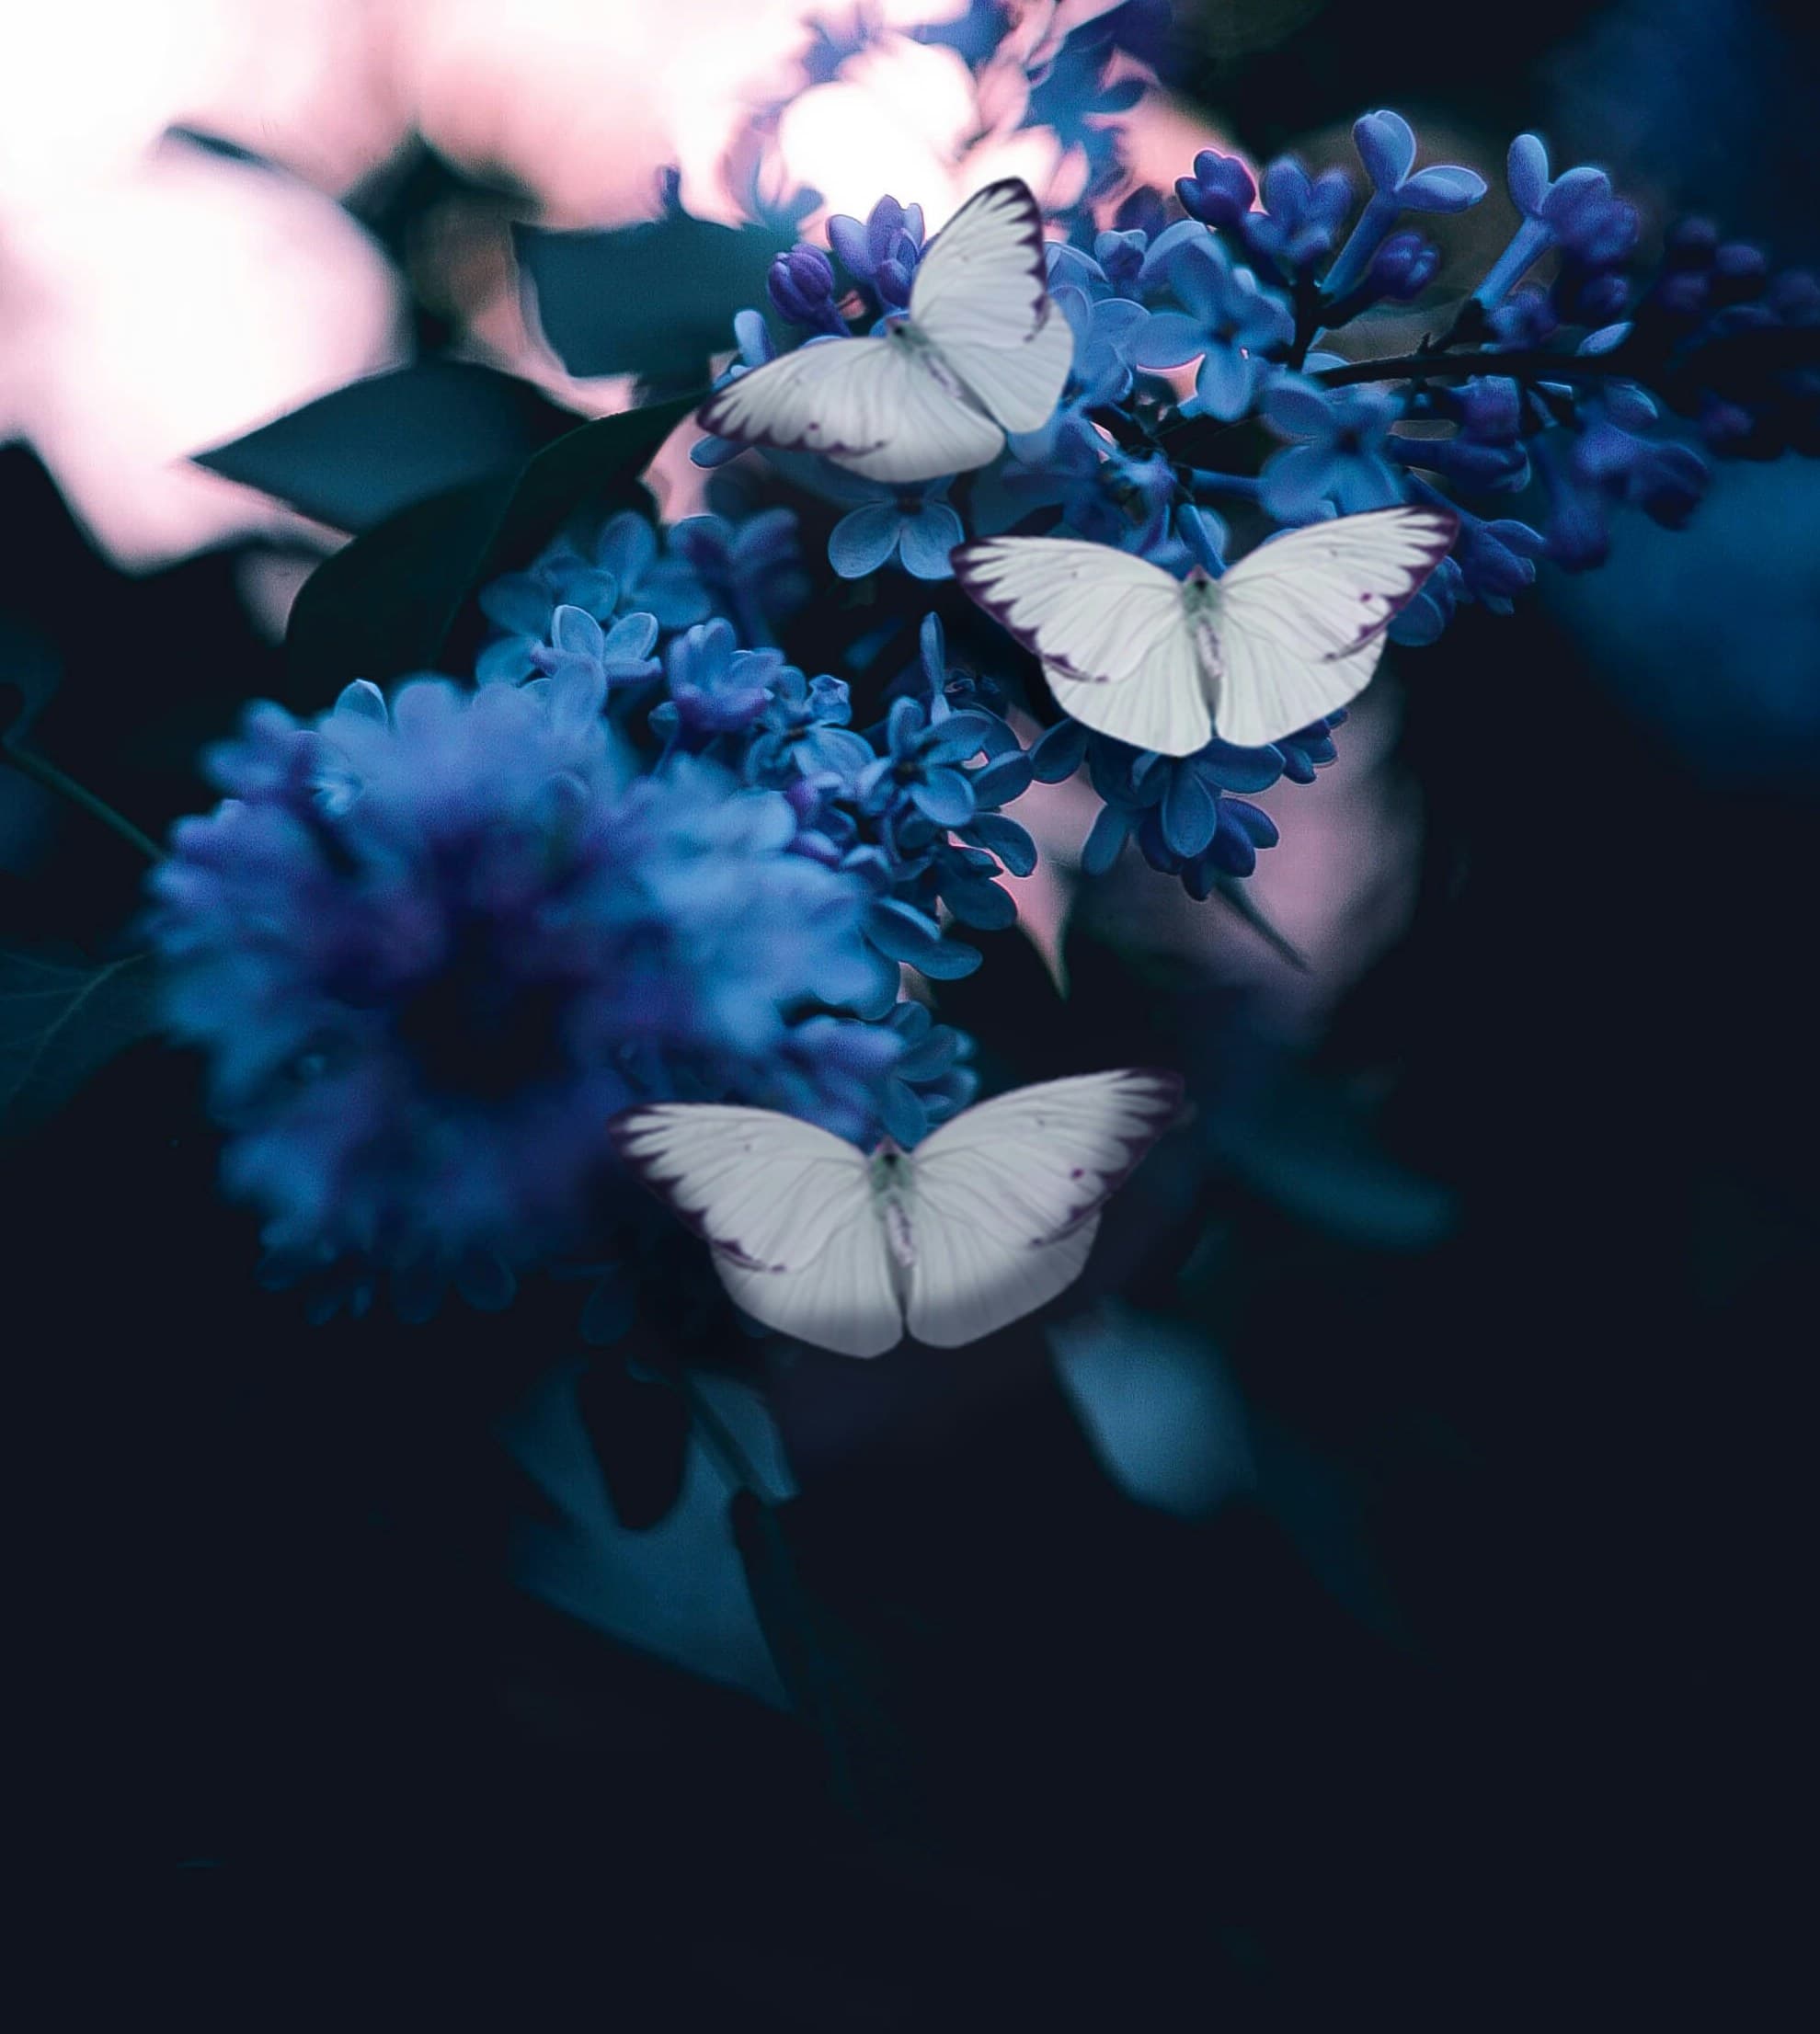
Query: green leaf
(352, 458)
(654, 300)
(385, 604)
(60, 1024)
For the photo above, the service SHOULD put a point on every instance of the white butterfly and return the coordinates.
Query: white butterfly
(983, 351)
(1292, 632)
(988, 1217)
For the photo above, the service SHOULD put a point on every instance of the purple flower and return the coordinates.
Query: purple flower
(801, 284)
(753, 337)
(1576, 212)
(1220, 192)
(1302, 216)
(807, 733)
(714, 687)
(884, 251)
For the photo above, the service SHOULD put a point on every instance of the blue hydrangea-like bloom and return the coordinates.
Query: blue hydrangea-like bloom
(914, 525)
(1342, 454)
(1227, 320)
(883, 252)
(430, 947)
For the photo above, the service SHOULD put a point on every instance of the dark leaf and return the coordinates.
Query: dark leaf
(385, 604)
(355, 457)
(652, 299)
(639, 1432)
(61, 1023)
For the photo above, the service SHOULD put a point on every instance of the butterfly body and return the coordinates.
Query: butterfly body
(1290, 632)
(988, 1218)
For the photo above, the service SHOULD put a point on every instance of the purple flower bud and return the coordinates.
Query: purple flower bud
(1795, 297)
(1121, 254)
(892, 282)
(1489, 409)
(1404, 267)
(1691, 244)
(1141, 212)
(802, 285)
(1220, 192)
(1602, 300)
(1528, 318)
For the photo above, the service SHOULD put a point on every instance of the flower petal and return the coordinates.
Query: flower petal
(1225, 382)
(1190, 812)
(1444, 186)
(1386, 144)
(928, 538)
(1170, 338)
(864, 539)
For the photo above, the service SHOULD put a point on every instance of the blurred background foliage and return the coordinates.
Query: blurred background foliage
(1388, 1600)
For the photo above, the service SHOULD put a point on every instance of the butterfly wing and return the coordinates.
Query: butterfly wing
(1112, 630)
(1302, 620)
(787, 1209)
(981, 299)
(870, 405)
(1005, 1199)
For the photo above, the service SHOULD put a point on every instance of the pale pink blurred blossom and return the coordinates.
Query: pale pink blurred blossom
(171, 306)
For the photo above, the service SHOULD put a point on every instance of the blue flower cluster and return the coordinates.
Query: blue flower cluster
(432, 944)
(1533, 413)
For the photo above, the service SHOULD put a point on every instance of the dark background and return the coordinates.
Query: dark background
(1487, 1689)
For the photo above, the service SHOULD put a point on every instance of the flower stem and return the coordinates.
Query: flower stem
(54, 779)
(1777, 347)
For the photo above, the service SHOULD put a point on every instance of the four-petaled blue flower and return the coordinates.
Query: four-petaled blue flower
(920, 763)
(915, 525)
(806, 732)
(1342, 457)
(884, 251)
(1227, 320)
(716, 688)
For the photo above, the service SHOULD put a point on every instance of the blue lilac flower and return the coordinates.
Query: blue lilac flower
(755, 348)
(1120, 255)
(1226, 320)
(1576, 212)
(806, 734)
(914, 525)
(883, 252)
(1181, 810)
(432, 945)
(1104, 331)
(617, 656)
(1302, 216)
(921, 763)
(750, 566)
(930, 1080)
(1386, 144)
(1221, 191)
(650, 576)
(714, 687)
(1342, 456)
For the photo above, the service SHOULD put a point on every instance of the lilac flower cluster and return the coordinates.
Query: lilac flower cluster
(1534, 413)
(432, 944)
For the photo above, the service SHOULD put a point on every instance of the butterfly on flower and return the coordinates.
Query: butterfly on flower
(981, 351)
(990, 1218)
(1289, 633)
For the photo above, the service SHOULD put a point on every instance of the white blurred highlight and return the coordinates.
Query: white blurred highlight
(171, 307)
